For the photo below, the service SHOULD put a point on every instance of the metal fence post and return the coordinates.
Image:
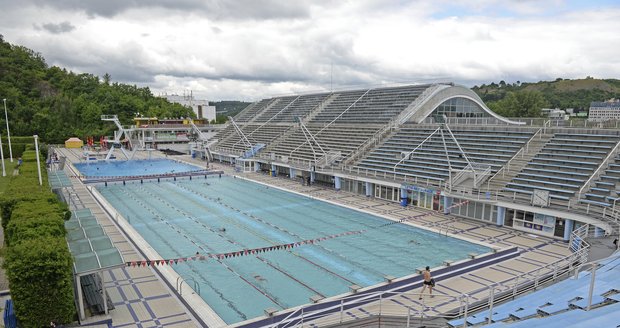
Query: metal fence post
(466, 308)
(341, 309)
(491, 300)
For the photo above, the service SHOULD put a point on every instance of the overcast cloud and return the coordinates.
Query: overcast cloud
(252, 49)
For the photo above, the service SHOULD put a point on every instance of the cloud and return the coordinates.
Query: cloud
(254, 49)
(214, 9)
(59, 28)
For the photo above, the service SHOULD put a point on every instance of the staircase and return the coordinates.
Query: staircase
(512, 168)
(319, 108)
(378, 138)
(257, 115)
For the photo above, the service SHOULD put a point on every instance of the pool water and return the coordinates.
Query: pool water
(180, 218)
(133, 167)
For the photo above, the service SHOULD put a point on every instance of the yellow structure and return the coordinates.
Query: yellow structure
(74, 143)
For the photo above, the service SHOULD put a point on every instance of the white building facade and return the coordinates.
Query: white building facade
(200, 107)
(604, 110)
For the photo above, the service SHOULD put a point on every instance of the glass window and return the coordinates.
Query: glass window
(459, 107)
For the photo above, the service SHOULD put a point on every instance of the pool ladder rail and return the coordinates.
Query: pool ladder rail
(180, 281)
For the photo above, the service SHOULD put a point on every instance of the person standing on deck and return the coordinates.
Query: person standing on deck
(428, 281)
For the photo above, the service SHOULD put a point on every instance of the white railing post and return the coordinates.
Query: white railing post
(591, 291)
(491, 300)
(466, 309)
(341, 309)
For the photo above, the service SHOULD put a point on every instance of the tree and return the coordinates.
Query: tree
(106, 79)
(520, 104)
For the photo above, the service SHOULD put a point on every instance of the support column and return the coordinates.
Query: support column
(369, 189)
(447, 202)
(598, 232)
(403, 197)
(568, 228)
(273, 170)
(80, 298)
(337, 183)
(501, 216)
(291, 172)
(312, 176)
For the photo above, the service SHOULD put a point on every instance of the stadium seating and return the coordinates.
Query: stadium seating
(565, 299)
(291, 108)
(335, 137)
(563, 165)
(429, 161)
(606, 189)
(369, 106)
(256, 133)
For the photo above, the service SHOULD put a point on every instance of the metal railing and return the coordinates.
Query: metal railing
(417, 102)
(501, 291)
(383, 306)
(604, 165)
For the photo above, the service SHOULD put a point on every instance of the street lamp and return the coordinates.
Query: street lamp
(2, 157)
(8, 133)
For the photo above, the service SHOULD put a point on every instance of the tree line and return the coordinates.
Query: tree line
(523, 99)
(56, 103)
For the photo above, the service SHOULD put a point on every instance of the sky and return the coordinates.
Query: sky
(255, 49)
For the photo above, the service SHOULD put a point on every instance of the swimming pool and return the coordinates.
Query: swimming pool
(218, 215)
(133, 167)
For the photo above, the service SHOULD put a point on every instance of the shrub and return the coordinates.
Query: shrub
(38, 261)
(31, 220)
(40, 276)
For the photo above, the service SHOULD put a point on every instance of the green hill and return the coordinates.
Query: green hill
(560, 93)
(56, 104)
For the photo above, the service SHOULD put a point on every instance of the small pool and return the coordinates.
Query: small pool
(133, 167)
(218, 215)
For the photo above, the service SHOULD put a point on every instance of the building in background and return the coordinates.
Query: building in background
(200, 107)
(604, 110)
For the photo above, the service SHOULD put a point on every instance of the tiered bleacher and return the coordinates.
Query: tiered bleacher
(563, 166)
(430, 162)
(369, 106)
(562, 303)
(256, 134)
(606, 189)
(253, 109)
(345, 138)
(340, 121)
(291, 108)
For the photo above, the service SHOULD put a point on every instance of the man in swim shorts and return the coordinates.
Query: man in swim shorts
(428, 281)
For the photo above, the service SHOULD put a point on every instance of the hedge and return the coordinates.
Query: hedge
(38, 262)
(40, 277)
(18, 145)
(31, 220)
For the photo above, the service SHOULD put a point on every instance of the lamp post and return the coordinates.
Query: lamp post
(8, 133)
(36, 147)
(2, 157)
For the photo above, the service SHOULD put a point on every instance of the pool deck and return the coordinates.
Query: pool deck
(142, 299)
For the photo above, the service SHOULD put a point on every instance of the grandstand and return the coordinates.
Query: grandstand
(435, 144)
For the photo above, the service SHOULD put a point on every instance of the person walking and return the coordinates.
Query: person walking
(428, 281)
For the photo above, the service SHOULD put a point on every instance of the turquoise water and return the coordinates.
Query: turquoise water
(180, 218)
(133, 167)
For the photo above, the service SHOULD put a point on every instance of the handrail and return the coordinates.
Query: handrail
(522, 151)
(418, 101)
(525, 279)
(604, 163)
(334, 120)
